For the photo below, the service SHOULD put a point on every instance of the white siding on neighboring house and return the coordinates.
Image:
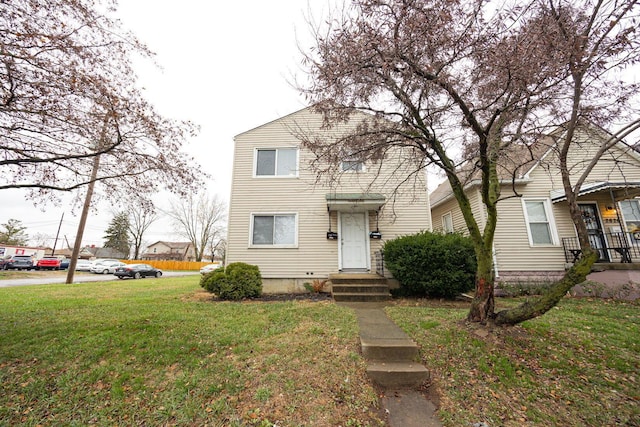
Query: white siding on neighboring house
(303, 196)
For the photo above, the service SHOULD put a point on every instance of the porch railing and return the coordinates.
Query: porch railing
(612, 247)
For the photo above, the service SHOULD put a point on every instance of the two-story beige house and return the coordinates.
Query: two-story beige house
(535, 237)
(170, 251)
(296, 226)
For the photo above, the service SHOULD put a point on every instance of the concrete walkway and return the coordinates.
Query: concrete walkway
(391, 356)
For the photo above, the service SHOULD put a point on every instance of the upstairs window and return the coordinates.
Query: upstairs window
(352, 166)
(277, 162)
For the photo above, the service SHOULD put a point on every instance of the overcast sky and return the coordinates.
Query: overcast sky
(226, 66)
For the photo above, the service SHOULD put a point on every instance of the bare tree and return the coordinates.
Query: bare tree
(140, 219)
(68, 93)
(199, 219)
(462, 83)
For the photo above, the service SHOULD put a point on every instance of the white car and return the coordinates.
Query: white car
(106, 267)
(209, 268)
(83, 265)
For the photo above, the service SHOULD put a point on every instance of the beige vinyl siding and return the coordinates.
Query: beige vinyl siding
(512, 247)
(514, 252)
(314, 256)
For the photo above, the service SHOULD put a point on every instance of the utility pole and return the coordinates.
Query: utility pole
(55, 242)
(83, 221)
(86, 206)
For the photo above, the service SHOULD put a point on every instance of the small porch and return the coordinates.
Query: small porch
(611, 212)
(618, 247)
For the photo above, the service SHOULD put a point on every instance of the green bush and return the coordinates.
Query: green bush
(237, 281)
(213, 281)
(431, 264)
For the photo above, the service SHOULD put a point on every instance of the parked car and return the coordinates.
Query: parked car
(137, 271)
(103, 260)
(18, 262)
(48, 263)
(83, 265)
(64, 263)
(106, 267)
(209, 268)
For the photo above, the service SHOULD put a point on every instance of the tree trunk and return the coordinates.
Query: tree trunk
(537, 307)
(483, 304)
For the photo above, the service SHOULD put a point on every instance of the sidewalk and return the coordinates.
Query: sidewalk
(391, 357)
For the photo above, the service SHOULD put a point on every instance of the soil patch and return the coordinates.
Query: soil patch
(308, 296)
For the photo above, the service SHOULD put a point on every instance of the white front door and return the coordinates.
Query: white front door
(353, 240)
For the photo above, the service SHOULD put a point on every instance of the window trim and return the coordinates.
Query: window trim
(276, 149)
(444, 229)
(273, 214)
(553, 232)
(626, 220)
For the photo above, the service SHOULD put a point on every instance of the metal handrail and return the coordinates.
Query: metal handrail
(612, 247)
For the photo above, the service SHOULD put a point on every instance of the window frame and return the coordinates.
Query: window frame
(273, 214)
(444, 227)
(354, 161)
(553, 232)
(275, 175)
(625, 219)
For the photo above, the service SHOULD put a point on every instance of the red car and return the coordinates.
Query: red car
(48, 263)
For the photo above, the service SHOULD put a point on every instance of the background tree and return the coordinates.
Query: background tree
(140, 219)
(117, 234)
(460, 83)
(13, 233)
(41, 240)
(68, 93)
(199, 219)
(218, 246)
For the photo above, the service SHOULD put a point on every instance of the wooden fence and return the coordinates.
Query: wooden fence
(170, 265)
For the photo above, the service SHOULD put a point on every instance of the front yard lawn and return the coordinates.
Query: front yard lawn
(578, 365)
(159, 352)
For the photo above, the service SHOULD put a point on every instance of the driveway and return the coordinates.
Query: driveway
(61, 277)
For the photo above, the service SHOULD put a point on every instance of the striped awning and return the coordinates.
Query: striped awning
(620, 190)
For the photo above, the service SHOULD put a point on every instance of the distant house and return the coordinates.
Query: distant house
(170, 251)
(84, 253)
(535, 237)
(102, 253)
(295, 228)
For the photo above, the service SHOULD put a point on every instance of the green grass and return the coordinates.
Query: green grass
(161, 352)
(156, 352)
(578, 365)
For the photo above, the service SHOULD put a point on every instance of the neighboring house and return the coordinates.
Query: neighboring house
(84, 253)
(296, 227)
(170, 251)
(108, 253)
(535, 237)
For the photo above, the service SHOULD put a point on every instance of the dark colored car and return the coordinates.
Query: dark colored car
(137, 271)
(64, 263)
(18, 262)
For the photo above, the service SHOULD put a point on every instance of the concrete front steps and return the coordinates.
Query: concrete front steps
(391, 355)
(359, 287)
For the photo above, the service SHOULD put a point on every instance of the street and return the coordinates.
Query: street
(80, 277)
